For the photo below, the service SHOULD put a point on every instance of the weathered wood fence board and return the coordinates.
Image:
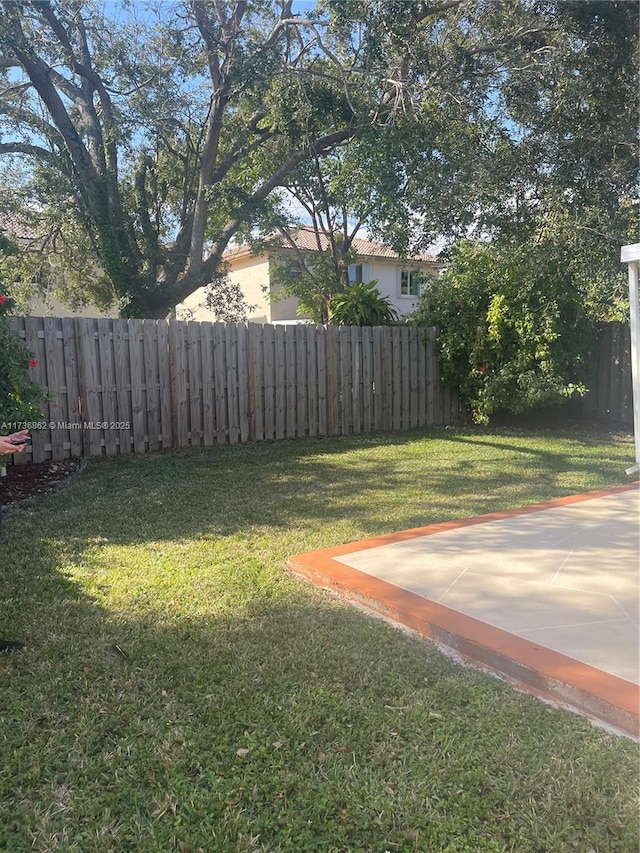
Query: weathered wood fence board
(610, 396)
(123, 386)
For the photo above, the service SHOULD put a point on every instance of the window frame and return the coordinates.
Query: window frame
(410, 272)
(365, 272)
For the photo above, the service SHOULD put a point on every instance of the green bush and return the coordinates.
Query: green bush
(361, 305)
(514, 332)
(20, 397)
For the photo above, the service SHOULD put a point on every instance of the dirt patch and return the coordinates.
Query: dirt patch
(26, 483)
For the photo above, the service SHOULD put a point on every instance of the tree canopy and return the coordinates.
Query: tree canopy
(147, 137)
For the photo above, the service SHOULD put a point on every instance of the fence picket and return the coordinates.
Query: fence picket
(55, 379)
(194, 384)
(89, 379)
(40, 439)
(320, 335)
(233, 413)
(208, 398)
(311, 380)
(269, 391)
(367, 379)
(280, 380)
(378, 385)
(220, 373)
(412, 369)
(301, 387)
(422, 377)
(122, 374)
(164, 383)
(243, 382)
(356, 379)
(290, 382)
(333, 380)
(430, 370)
(73, 388)
(138, 412)
(152, 399)
(178, 383)
(109, 393)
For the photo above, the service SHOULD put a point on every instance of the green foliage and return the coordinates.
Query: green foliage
(58, 262)
(361, 305)
(358, 186)
(514, 330)
(313, 281)
(20, 397)
(153, 136)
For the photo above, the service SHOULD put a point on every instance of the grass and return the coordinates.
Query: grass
(181, 692)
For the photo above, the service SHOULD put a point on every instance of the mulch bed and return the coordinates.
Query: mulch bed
(25, 483)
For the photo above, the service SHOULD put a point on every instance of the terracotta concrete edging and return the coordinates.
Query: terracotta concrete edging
(590, 691)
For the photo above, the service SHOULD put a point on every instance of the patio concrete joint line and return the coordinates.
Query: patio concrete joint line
(452, 584)
(561, 567)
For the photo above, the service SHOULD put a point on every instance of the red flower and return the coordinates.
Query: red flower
(459, 303)
(33, 362)
(3, 299)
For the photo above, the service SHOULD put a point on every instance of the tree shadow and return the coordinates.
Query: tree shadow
(275, 713)
(228, 491)
(293, 719)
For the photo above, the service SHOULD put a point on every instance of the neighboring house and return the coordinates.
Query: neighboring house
(397, 279)
(43, 303)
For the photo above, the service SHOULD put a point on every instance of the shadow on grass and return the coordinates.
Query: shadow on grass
(285, 724)
(380, 483)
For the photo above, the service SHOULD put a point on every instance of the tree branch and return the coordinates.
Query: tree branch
(199, 274)
(29, 149)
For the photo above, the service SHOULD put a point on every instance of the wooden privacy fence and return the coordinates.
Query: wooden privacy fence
(122, 386)
(610, 396)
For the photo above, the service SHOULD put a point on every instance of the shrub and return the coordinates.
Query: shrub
(20, 397)
(361, 305)
(514, 333)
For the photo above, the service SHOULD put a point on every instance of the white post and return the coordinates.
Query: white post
(631, 256)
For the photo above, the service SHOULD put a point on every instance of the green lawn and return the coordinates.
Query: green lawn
(181, 692)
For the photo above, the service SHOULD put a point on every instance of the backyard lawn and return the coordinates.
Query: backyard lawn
(181, 692)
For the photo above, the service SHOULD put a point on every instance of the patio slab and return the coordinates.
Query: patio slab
(546, 595)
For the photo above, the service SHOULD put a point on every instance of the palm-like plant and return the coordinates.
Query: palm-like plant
(361, 305)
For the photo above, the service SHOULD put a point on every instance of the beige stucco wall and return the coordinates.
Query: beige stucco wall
(387, 274)
(284, 309)
(52, 307)
(252, 275)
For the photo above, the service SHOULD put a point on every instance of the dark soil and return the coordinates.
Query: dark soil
(26, 483)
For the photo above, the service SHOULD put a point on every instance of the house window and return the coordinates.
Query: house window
(357, 273)
(410, 281)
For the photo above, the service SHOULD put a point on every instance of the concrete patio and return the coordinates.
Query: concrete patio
(545, 595)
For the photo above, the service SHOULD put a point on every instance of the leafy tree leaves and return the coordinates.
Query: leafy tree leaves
(514, 331)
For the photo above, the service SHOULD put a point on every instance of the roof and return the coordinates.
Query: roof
(16, 228)
(306, 240)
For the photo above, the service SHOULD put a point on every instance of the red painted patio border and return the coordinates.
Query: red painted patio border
(586, 689)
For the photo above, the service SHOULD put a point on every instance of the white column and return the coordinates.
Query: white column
(631, 256)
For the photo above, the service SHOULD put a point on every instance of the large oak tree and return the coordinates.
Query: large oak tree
(154, 136)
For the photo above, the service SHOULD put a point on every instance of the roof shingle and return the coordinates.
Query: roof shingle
(306, 240)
